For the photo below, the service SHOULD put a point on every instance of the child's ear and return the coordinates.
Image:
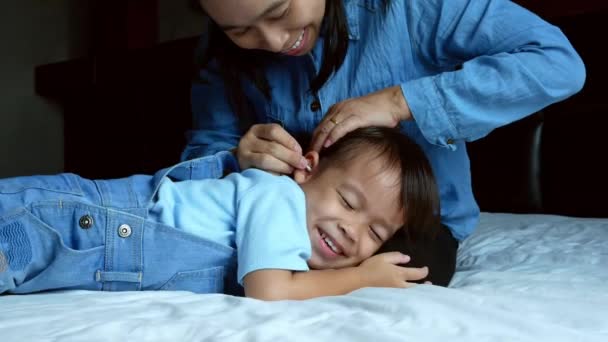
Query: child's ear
(302, 176)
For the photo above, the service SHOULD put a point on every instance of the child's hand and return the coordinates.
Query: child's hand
(382, 271)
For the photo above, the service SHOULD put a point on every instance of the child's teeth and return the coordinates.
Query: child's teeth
(331, 245)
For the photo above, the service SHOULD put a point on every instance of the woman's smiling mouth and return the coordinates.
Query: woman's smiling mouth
(298, 45)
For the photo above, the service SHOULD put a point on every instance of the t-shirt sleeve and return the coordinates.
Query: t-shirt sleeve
(271, 228)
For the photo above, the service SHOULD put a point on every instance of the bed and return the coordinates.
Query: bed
(520, 277)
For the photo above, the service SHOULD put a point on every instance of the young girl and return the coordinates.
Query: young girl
(186, 228)
(278, 74)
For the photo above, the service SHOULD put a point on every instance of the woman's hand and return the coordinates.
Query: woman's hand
(385, 107)
(382, 270)
(269, 147)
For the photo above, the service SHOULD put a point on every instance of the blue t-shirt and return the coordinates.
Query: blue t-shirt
(465, 67)
(261, 215)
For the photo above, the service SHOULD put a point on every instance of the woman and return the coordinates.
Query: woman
(277, 72)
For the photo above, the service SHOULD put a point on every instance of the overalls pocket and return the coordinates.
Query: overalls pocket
(40, 257)
(209, 280)
(80, 226)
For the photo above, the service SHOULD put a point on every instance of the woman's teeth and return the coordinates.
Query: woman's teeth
(298, 42)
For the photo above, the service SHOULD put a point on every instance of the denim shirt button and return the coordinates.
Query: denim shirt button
(315, 105)
(277, 121)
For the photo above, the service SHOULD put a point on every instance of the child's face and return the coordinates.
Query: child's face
(351, 210)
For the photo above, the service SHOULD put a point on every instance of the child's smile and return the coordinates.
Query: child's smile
(328, 245)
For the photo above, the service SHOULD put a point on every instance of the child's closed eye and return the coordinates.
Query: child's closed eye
(375, 235)
(345, 203)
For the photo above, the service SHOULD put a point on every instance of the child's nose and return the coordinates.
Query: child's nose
(349, 232)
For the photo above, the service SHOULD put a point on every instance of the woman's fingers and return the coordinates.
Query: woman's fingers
(335, 127)
(276, 133)
(341, 128)
(375, 109)
(269, 147)
(323, 129)
(275, 141)
(269, 163)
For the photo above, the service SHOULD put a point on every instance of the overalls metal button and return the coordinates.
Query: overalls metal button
(315, 105)
(124, 230)
(86, 222)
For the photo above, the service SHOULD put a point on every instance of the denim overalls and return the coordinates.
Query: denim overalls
(67, 232)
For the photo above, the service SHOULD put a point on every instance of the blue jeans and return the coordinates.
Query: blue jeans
(67, 232)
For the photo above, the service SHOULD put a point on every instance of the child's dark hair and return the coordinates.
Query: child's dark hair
(419, 192)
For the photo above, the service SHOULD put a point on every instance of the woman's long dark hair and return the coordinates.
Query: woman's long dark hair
(235, 63)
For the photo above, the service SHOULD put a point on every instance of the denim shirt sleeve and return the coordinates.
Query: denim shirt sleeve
(503, 63)
(216, 126)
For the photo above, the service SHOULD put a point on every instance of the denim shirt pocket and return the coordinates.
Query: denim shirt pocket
(275, 113)
(208, 280)
(297, 122)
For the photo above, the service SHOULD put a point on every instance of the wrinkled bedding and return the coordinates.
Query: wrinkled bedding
(519, 278)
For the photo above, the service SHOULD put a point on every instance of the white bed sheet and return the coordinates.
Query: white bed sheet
(519, 278)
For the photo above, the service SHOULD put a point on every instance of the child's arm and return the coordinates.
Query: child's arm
(378, 271)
